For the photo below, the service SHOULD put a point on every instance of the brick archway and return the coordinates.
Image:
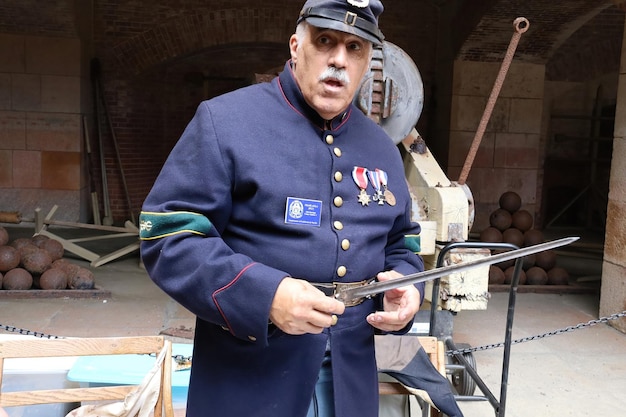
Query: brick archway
(201, 30)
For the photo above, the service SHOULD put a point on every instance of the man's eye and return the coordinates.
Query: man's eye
(355, 47)
(324, 40)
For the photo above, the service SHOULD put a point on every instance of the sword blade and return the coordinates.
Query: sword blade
(349, 295)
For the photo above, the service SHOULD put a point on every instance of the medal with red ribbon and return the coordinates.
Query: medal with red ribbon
(375, 180)
(359, 175)
(389, 197)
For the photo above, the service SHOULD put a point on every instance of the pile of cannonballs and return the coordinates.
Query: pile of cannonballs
(511, 224)
(38, 263)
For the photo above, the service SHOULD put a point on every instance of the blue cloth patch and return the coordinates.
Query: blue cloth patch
(303, 212)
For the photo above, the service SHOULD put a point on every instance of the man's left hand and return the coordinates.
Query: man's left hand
(400, 306)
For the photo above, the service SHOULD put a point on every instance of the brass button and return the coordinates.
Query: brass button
(337, 152)
(252, 338)
(330, 139)
(338, 201)
(345, 244)
(338, 176)
(342, 271)
(338, 225)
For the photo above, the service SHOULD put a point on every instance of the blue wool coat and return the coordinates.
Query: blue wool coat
(255, 190)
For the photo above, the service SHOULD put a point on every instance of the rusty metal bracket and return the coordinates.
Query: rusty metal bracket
(521, 25)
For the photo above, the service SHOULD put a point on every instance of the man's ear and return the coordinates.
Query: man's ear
(293, 47)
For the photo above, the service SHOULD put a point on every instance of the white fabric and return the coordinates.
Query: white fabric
(140, 402)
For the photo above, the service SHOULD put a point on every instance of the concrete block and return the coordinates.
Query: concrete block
(60, 170)
(26, 169)
(617, 181)
(6, 169)
(525, 116)
(12, 53)
(12, 130)
(524, 81)
(615, 239)
(474, 78)
(620, 110)
(613, 293)
(460, 144)
(53, 132)
(52, 56)
(60, 94)
(5, 91)
(26, 92)
(516, 150)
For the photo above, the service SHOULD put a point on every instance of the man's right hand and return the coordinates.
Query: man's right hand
(299, 308)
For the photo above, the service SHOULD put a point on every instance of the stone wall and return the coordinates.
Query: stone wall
(613, 291)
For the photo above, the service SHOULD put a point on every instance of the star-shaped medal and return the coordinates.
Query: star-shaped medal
(364, 198)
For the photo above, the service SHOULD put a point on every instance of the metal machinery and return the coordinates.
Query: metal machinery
(392, 95)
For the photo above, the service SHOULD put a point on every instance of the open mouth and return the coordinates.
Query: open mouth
(333, 83)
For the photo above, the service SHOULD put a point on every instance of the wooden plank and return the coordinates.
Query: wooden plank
(546, 289)
(96, 293)
(9, 399)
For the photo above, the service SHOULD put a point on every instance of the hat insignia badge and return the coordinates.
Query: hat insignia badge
(359, 3)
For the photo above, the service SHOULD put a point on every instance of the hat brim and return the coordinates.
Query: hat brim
(321, 22)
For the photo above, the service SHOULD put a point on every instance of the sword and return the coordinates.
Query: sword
(353, 295)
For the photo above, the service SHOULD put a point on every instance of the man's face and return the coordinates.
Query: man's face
(329, 66)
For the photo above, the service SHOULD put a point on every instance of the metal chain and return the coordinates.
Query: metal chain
(539, 336)
(180, 359)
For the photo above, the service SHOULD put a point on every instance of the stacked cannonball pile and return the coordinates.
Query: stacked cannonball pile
(511, 224)
(37, 263)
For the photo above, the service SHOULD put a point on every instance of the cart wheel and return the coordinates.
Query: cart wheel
(461, 379)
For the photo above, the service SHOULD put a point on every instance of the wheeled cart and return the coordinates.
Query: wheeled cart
(461, 366)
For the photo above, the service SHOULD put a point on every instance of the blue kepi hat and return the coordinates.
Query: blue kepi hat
(358, 17)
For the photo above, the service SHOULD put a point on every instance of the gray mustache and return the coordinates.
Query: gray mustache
(340, 75)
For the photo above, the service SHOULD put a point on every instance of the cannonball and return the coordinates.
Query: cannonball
(37, 261)
(510, 201)
(533, 237)
(26, 249)
(22, 241)
(53, 279)
(513, 236)
(508, 276)
(17, 279)
(9, 258)
(536, 276)
(71, 270)
(54, 248)
(528, 261)
(558, 276)
(83, 280)
(496, 275)
(522, 220)
(546, 259)
(491, 235)
(39, 240)
(500, 219)
(4, 236)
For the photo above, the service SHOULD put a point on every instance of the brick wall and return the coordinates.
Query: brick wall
(159, 59)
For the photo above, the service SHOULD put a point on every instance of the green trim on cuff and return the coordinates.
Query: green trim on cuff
(160, 225)
(413, 243)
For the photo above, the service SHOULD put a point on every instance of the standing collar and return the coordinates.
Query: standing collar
(293, 95)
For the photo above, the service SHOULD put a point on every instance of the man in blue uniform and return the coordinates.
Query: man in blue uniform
(274, 194)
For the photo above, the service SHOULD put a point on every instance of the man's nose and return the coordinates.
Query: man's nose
(339, 56)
